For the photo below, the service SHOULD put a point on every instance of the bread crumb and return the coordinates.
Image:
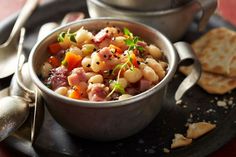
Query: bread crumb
(180, 141)
(166, 150)
(150, 151)
(196, 130)
(221, 103)
(210, 110)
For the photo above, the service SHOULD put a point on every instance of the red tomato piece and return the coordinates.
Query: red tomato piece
(54, 61)
(134, 60)
(54, 48)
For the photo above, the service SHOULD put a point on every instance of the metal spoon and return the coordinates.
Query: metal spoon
(21, 83)
(8, 49)
(13, 109)
(13, 112)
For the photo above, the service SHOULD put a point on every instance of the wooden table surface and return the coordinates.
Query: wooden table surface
(227, 9)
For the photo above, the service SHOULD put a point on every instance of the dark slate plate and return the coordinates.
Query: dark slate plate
(197, 106)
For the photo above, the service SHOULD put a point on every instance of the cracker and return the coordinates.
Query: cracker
(196, 130)
(180, 141)
(213, 83)
(216, 51)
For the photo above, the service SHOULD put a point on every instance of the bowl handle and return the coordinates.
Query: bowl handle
(208, 7)
(187, 56)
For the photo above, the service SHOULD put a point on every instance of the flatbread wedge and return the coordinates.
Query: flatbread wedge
(180, 141)
(212, 83)
(216, 51)
(196, 130)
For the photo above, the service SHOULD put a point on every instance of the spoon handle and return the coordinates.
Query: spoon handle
(26, 11)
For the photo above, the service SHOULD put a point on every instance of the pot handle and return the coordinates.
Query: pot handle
(187, 57)
(208, 7)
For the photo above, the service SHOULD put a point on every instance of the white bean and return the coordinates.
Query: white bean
(69, 91)
(119, 41)
(83, 36)
(76, 50)
(90, 74)
(122, 81)
(96, 63)
(87, 49)
(111, 30)
(96, 79)
(156, 67)
(124, 96)
(133, 76)
(154, 51)
(62, 90)
(46, 69)
(86, 63)
(163, 64)
(148, 73)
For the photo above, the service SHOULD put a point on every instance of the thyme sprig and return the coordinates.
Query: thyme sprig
(131, 42)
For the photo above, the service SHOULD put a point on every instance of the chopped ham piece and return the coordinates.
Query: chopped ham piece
(100, 36)
(144, 85)
(57, 77)
(73, 79)
(142, 43)
(105, 54)
(131, 91)
(106, 32)
(105, 43)
(97, 92)
(78, 75)
(60, 55)
(81, 74)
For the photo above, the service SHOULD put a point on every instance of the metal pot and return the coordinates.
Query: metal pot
(144, 5)
(112, 120)
(172, 22)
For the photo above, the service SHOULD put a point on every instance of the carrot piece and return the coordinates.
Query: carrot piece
(54, 61)
(71, 60)
(54, 48)
(134, 60)
(117, 49)
(74, 94)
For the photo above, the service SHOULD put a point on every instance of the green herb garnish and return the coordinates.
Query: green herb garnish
(117, 87)
(72, 37)
(63, 35)
(127, 32)
(131, 42)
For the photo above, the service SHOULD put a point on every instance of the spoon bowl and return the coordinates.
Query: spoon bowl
(7, 59)
(14, 111)
(8, 56)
